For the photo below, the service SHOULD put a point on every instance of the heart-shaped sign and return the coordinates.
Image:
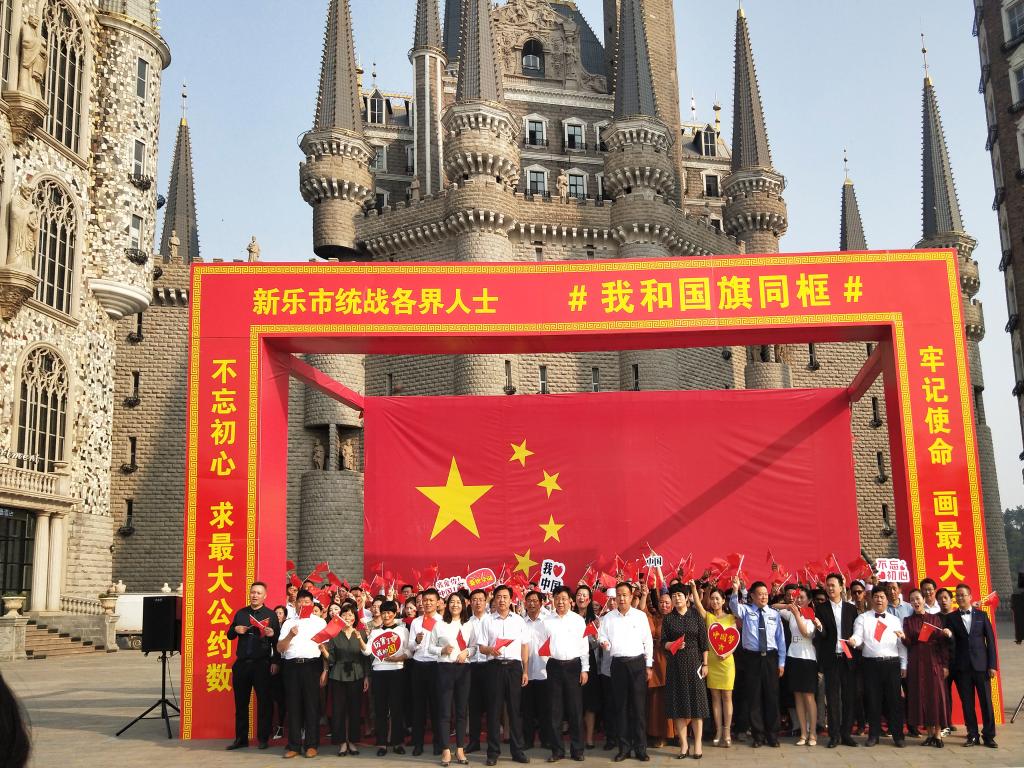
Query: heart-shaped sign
(559, 570)
(386, 644)
(724, 640)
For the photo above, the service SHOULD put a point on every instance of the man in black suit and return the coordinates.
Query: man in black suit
(836, 617)
(973, 665)
(253, 665)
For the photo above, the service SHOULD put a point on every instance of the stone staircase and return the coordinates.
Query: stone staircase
(43, 642)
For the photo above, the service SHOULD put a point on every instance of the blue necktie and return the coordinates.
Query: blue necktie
(762, 632)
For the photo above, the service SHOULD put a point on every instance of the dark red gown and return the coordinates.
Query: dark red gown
(926, 687)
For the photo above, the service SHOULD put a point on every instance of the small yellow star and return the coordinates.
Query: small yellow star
(454, 501)
(523, 563)
(551, 528)
(520, 452)
(550, 482)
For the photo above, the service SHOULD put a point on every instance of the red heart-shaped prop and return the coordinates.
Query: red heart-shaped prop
(559, 570)
(724, 640)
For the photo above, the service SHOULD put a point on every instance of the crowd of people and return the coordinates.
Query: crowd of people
(642, 665)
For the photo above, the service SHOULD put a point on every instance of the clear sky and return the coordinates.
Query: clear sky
(833, 74)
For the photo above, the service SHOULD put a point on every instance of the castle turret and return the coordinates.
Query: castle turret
(943, 228)
(429, 61)
(851, 228)
(754, 209)
(335, 177)
(179, 241)
(452, 28)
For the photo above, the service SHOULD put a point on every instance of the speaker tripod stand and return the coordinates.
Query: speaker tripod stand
(163, 702)
(1020, 706)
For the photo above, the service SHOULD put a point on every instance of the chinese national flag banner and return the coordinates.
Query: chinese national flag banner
(532, 478)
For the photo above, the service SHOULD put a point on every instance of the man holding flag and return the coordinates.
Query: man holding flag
(568, 667)
(255, 628)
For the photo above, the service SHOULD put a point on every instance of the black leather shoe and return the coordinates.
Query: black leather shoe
(417, 751)
(400, 750)
(871, 741)
(492, 761)
(773, 742)
(474, 747)
(620, 756)
(848, 742)
(972, 741)
(521, 758)
(608, 746)
(755, 743)
(991, 743)
(578, 758)
(237, 744)
(643, 757)
(555, 758)
(263, 745)
(833, 743)
(381, 751)
(899, 743)
(938, 744)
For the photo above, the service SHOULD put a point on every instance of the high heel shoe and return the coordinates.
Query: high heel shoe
(715, 741)
(727, 741)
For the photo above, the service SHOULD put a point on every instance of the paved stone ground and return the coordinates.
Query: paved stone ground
(77, 704)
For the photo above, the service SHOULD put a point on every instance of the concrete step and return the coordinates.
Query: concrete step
(43, 642)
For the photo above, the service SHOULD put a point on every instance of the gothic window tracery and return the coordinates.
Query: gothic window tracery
(65, 45)
(55, 255)
(42, 410)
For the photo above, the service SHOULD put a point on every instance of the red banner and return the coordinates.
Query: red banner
(580, 477)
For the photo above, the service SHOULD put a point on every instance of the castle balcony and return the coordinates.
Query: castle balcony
(27, 488)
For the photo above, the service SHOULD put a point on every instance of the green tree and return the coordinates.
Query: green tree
(1013, 523)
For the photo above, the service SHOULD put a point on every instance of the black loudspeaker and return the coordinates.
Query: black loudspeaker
(161, 623)
(1017, 606)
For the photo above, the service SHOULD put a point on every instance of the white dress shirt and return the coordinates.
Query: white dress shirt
(444, 634)
(567, 640)
(512, 627)
(420, 650)
(476, 657)
(628, 634)
(837, 612)
(302, 645)
(933, 609)
(966, 619)
(889, 647)
(800, 647)
(403, 648)
(537, 668)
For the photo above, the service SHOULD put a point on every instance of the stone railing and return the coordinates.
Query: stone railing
(80, 606)
(30, 481)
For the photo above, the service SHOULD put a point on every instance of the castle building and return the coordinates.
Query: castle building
(527, 136)
(79, 122)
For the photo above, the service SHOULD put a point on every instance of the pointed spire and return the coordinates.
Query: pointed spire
(851, 228)
(749, 136)
(337, 104)
(941, 211)
(634, 84)
(180, 213)
(428, 26)
(478, 74)
(452, 28)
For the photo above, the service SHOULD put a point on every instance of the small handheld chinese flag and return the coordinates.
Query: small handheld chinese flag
(846, 649)
(409, 620)
(305, 611)
(460, 640)
(600, 597)
(428, 623)
(331, 631)
(289, 565)
(675, 645)
(591, 630)
(501, 642)
(807, 612)
(879, 630)
(334, 580)
(260, 625)
(991, 600)
(607, 581)
(926, 632)
(545, 649)
(296, 581)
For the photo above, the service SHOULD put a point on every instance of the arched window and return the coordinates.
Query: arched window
(55, 257)
(533, 59)
(65, 43)
(42, 410)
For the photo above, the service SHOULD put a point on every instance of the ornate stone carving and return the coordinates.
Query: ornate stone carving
(253, 249)
(25, 113)
(23, 230)
(173, 243)
(318, 454)
(26, 106)
(15, 287)
(562, 185)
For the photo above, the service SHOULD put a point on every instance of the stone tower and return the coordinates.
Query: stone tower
(943, 228)
(428, 62)
(754, 209)
(147, 494)
(335, 176)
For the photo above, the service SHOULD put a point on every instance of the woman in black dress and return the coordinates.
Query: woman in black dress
(686, 695)
(584, 606)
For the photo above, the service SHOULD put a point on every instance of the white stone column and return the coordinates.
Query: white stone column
(56, 571)
(40, 561)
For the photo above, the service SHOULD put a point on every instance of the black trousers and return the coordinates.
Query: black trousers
(971, 685)
(608, 711)
(388, 694)
(452, 692)
(740, 704)
(566, 697)
(277, 694)
(424, 700)
(629, 688)
(505, 685)
(761, 695)
(537, 714)
(882, 693)
(346, 701)
(247, 676)
(302, 692)
(840, 694)
(478, 696)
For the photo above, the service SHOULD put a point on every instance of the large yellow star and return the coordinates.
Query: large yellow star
(524, 563)
(454, 501)
(550, 482)
(551, 528)
(520, 452)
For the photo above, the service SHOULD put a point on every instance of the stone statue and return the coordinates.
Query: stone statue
(318, 454)
(562, 185)
(24, 230)
(414, 189)
(348, 455)
(172, 245)
(32, 66)
(254, 249)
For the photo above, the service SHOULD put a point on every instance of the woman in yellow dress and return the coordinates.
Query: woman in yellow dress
(721, 669)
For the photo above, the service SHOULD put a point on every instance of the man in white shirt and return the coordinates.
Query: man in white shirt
(626, 633)
(424, 674)
(837, 618)
(884, 663)
(477, 673)
(536, 702)
(504, 639)
(303, 669)
(931, 603)
(568, 668)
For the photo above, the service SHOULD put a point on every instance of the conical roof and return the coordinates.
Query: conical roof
(180, 211)
(478, 66)
(851, 228)
(940, 208)
(634, 84)
(337, 103)
(749, 137)
(452, 28)
(428, 27)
